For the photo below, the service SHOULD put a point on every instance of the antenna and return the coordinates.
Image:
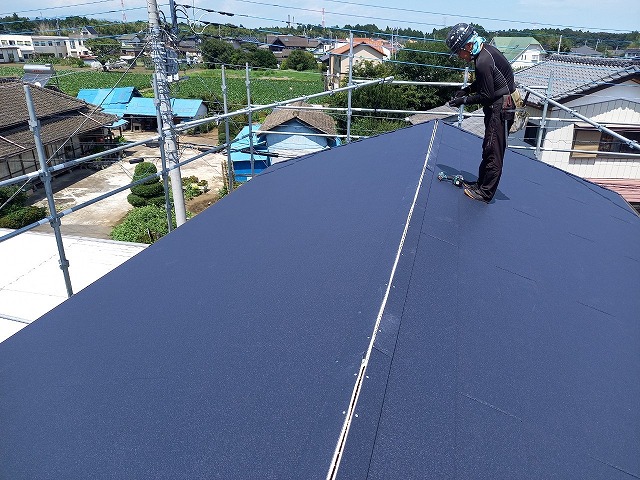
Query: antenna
(124, 16)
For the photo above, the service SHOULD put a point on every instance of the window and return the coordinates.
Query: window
(50, 43)
(72, 44)
(531, 134)
(610, 144)
(587, 140)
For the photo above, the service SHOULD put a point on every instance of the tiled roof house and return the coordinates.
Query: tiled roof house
(61, 116)
(604, 90)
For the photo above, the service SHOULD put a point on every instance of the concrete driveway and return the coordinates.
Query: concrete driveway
(83, 184)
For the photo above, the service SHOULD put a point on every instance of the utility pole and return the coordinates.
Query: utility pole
(159, 56)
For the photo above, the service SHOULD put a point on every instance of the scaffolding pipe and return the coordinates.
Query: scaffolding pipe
(461, 108)
(54, 220)
(226, 130)
(597, 126)
(543, 120)
(250, 119)
(72, 163)
(194, 123)
(349, 93)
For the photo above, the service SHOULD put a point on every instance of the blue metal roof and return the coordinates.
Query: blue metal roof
(507, 345)
(112, 100)
(182, 108)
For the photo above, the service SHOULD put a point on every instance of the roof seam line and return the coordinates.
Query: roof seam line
(337, 456)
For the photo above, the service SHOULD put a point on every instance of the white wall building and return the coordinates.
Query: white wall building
(16, 48)
(606, 91)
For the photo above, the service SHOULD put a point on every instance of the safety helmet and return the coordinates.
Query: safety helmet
(458, 36)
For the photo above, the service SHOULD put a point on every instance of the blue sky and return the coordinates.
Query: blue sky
(594, 15)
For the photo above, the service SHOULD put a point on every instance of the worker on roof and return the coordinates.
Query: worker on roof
(492, 88)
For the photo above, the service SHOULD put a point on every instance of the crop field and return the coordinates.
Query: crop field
(266, 86)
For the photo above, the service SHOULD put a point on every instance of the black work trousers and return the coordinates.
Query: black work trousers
(496, 125)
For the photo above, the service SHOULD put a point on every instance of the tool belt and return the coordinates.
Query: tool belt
(518, 112)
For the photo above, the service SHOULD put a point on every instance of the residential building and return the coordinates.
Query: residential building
(586, 51)
(364, 49)
(520, 51)
(69, 128)
(283, 45)
(606, 91)
(286, 133)
(132, 45)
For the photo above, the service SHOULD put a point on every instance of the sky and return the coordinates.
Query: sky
(616, 16)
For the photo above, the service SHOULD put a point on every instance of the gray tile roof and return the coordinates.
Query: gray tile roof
(60, 115)
(316, 119)
(574, 75)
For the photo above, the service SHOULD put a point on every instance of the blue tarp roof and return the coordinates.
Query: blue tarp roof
(182, 108)
(507, 344)
(243, 142)
(112, 101)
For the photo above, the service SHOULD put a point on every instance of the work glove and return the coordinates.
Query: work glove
(461, 93)
(457, 101)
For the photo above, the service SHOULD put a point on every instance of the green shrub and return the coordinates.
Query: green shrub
(150, 192)
(22, 217)
(142, 225)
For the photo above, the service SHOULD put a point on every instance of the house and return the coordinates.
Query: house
(140, 112)
(283, 45)
(69, 128)
(364, 49)
(586, 51)
(142, 115)
(603, 90)
(289, 132)
(241, 156)
(132, 44)
(352, 318)
(285, 133)
(520, 51)
(633, 53)
(111, 100)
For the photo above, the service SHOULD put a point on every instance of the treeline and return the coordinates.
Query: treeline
(17, 25)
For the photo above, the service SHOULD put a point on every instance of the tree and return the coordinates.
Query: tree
(427, 62)
(105, 49)
(300, 60)
(216, 51)
(262, 58)
(150, 192)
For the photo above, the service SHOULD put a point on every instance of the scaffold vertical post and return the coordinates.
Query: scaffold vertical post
(45, 175)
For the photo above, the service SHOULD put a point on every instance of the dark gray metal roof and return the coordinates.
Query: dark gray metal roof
(502, 339)
(574, 75)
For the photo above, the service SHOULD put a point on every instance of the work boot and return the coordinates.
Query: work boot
(475, 194)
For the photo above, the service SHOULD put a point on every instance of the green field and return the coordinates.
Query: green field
(266, 86)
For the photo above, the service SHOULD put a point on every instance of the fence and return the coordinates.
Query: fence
(45, 171)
